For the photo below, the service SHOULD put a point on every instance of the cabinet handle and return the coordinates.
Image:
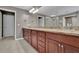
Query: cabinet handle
(59, 45)
(62, 46)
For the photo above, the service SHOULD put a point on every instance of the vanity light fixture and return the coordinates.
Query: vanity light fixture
(31, 11)
(35, 11)
(52, 15)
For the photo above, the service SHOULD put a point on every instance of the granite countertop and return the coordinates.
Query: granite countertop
(64, 31)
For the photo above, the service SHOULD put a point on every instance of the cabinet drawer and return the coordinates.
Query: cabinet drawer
(30, 41)
(41, 49)
(41, 43)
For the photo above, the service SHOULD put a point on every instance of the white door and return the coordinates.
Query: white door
(8, 25)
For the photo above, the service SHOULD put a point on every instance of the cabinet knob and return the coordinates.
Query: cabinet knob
(59, 45)
(62, 46)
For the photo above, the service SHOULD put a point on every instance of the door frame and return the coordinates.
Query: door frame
(5, 9)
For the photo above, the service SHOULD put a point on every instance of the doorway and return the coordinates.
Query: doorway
(8, 24)
(41, 21)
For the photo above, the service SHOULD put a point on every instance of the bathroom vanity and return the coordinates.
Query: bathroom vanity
(52, 40)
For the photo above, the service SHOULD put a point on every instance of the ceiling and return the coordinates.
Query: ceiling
(53, 10)
(24, 7)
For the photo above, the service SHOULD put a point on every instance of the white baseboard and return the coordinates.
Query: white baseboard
(19, 39)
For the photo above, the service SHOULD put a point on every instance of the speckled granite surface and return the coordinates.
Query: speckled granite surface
(63, 31)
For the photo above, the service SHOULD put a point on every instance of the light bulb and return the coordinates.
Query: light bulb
(32, 10)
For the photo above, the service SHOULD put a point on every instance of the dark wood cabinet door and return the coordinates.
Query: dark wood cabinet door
(41, 36)
(41, 49)
(52, 46)
(30, 38)
(41, 42)
(70, 49)
(34, 39)
(25, 34)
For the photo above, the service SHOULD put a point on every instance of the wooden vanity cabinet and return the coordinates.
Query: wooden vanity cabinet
(29, 37)
(62, 44)
(47, 42)
(34, 39)
(41, 42)
(70, 44)
(52, 46)
(70, 49)
(25, 34)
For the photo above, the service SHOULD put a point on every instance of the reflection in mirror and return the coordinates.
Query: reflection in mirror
(65, 22)
(68, 22)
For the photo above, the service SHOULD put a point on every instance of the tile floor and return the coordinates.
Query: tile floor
(9, 45)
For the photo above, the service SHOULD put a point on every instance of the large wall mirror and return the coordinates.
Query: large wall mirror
(71, 22)
(67, 21)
